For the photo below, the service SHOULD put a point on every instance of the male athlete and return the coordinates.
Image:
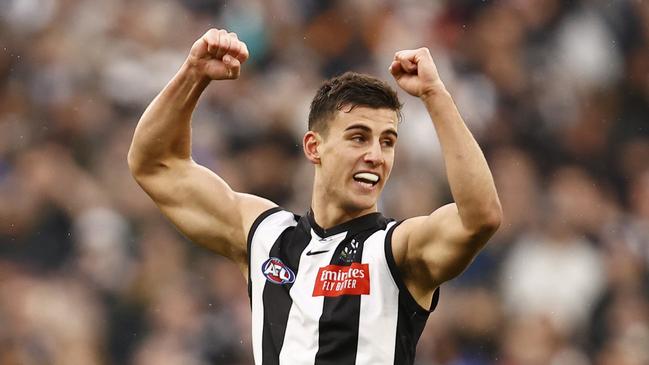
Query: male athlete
(341, 284)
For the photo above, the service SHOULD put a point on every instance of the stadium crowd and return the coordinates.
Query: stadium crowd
(556, 92)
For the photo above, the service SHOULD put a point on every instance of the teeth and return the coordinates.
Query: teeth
(367, 176)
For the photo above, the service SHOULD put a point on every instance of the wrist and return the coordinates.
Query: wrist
(436, 91)
(191, 72)
(437, 100)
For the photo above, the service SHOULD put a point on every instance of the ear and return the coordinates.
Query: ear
(310, 144)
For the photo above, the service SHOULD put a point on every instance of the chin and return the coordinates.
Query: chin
(360, 204)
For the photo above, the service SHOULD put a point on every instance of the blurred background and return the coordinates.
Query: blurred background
(556, 92)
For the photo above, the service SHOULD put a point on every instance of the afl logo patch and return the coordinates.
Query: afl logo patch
(277, 272)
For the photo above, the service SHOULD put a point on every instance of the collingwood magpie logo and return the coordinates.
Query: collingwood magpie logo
(348, 253)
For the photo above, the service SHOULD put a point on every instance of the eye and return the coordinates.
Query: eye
(358, 138)
(387, 142)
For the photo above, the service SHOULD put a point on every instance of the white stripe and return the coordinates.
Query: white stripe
(379, 311)
(301, 338)
(262, 241)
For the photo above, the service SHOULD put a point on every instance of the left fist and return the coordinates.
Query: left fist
(416, 73)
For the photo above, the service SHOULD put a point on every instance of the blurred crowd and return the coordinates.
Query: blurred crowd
(556, 92)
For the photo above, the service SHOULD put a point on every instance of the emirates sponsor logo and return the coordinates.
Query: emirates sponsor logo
(335, 280)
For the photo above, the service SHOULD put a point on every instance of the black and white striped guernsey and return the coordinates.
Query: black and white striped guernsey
(329, 296)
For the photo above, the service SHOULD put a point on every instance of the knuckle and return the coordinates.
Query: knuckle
(211, 36)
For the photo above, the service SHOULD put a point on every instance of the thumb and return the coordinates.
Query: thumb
(395, 68)
(407, 60)
(232, 65)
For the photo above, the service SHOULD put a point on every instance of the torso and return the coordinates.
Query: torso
(334, 296)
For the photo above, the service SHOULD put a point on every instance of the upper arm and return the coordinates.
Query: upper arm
(204, 207)
(438, 247)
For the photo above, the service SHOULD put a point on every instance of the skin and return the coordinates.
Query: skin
(428, 250)
(358, 140)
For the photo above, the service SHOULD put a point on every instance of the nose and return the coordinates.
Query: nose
(374, 154)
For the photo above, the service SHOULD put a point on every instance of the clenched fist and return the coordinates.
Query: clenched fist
(416, 73)
(218, 55)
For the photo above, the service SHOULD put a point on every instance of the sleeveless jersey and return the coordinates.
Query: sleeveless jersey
(330, 296)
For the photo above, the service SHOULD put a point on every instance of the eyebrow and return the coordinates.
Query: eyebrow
(369, 130)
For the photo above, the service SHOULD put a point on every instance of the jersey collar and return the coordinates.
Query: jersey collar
(359, 224)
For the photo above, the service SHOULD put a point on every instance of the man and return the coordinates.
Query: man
(341, 284)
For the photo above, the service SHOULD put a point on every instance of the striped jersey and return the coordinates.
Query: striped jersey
(330, 296)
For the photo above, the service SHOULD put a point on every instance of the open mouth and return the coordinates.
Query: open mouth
(367, 178)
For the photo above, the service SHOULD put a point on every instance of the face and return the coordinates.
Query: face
(355, 157)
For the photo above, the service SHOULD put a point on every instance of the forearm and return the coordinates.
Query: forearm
(468, 174)
(163, 133)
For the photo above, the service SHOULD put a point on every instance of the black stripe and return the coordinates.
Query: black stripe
(410, 325)
(338, 340)
(412, 317)
(251, 233)
(276, 298)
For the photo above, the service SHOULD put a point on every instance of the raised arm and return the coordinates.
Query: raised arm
(194, 198)
(435, 248)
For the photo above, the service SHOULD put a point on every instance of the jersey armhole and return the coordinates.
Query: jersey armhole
(251, 234)
(410, 301)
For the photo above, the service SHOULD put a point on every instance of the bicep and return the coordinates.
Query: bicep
(441, 245)
(204, 207)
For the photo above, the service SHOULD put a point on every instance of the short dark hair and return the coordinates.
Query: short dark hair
(353, 89)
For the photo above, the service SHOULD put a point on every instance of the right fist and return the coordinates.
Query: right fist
(218, 55)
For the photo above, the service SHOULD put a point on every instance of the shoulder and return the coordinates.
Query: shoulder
(408, 266)
(401, 236)
(271, 218)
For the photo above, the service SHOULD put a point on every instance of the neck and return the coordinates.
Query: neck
(328, 213)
